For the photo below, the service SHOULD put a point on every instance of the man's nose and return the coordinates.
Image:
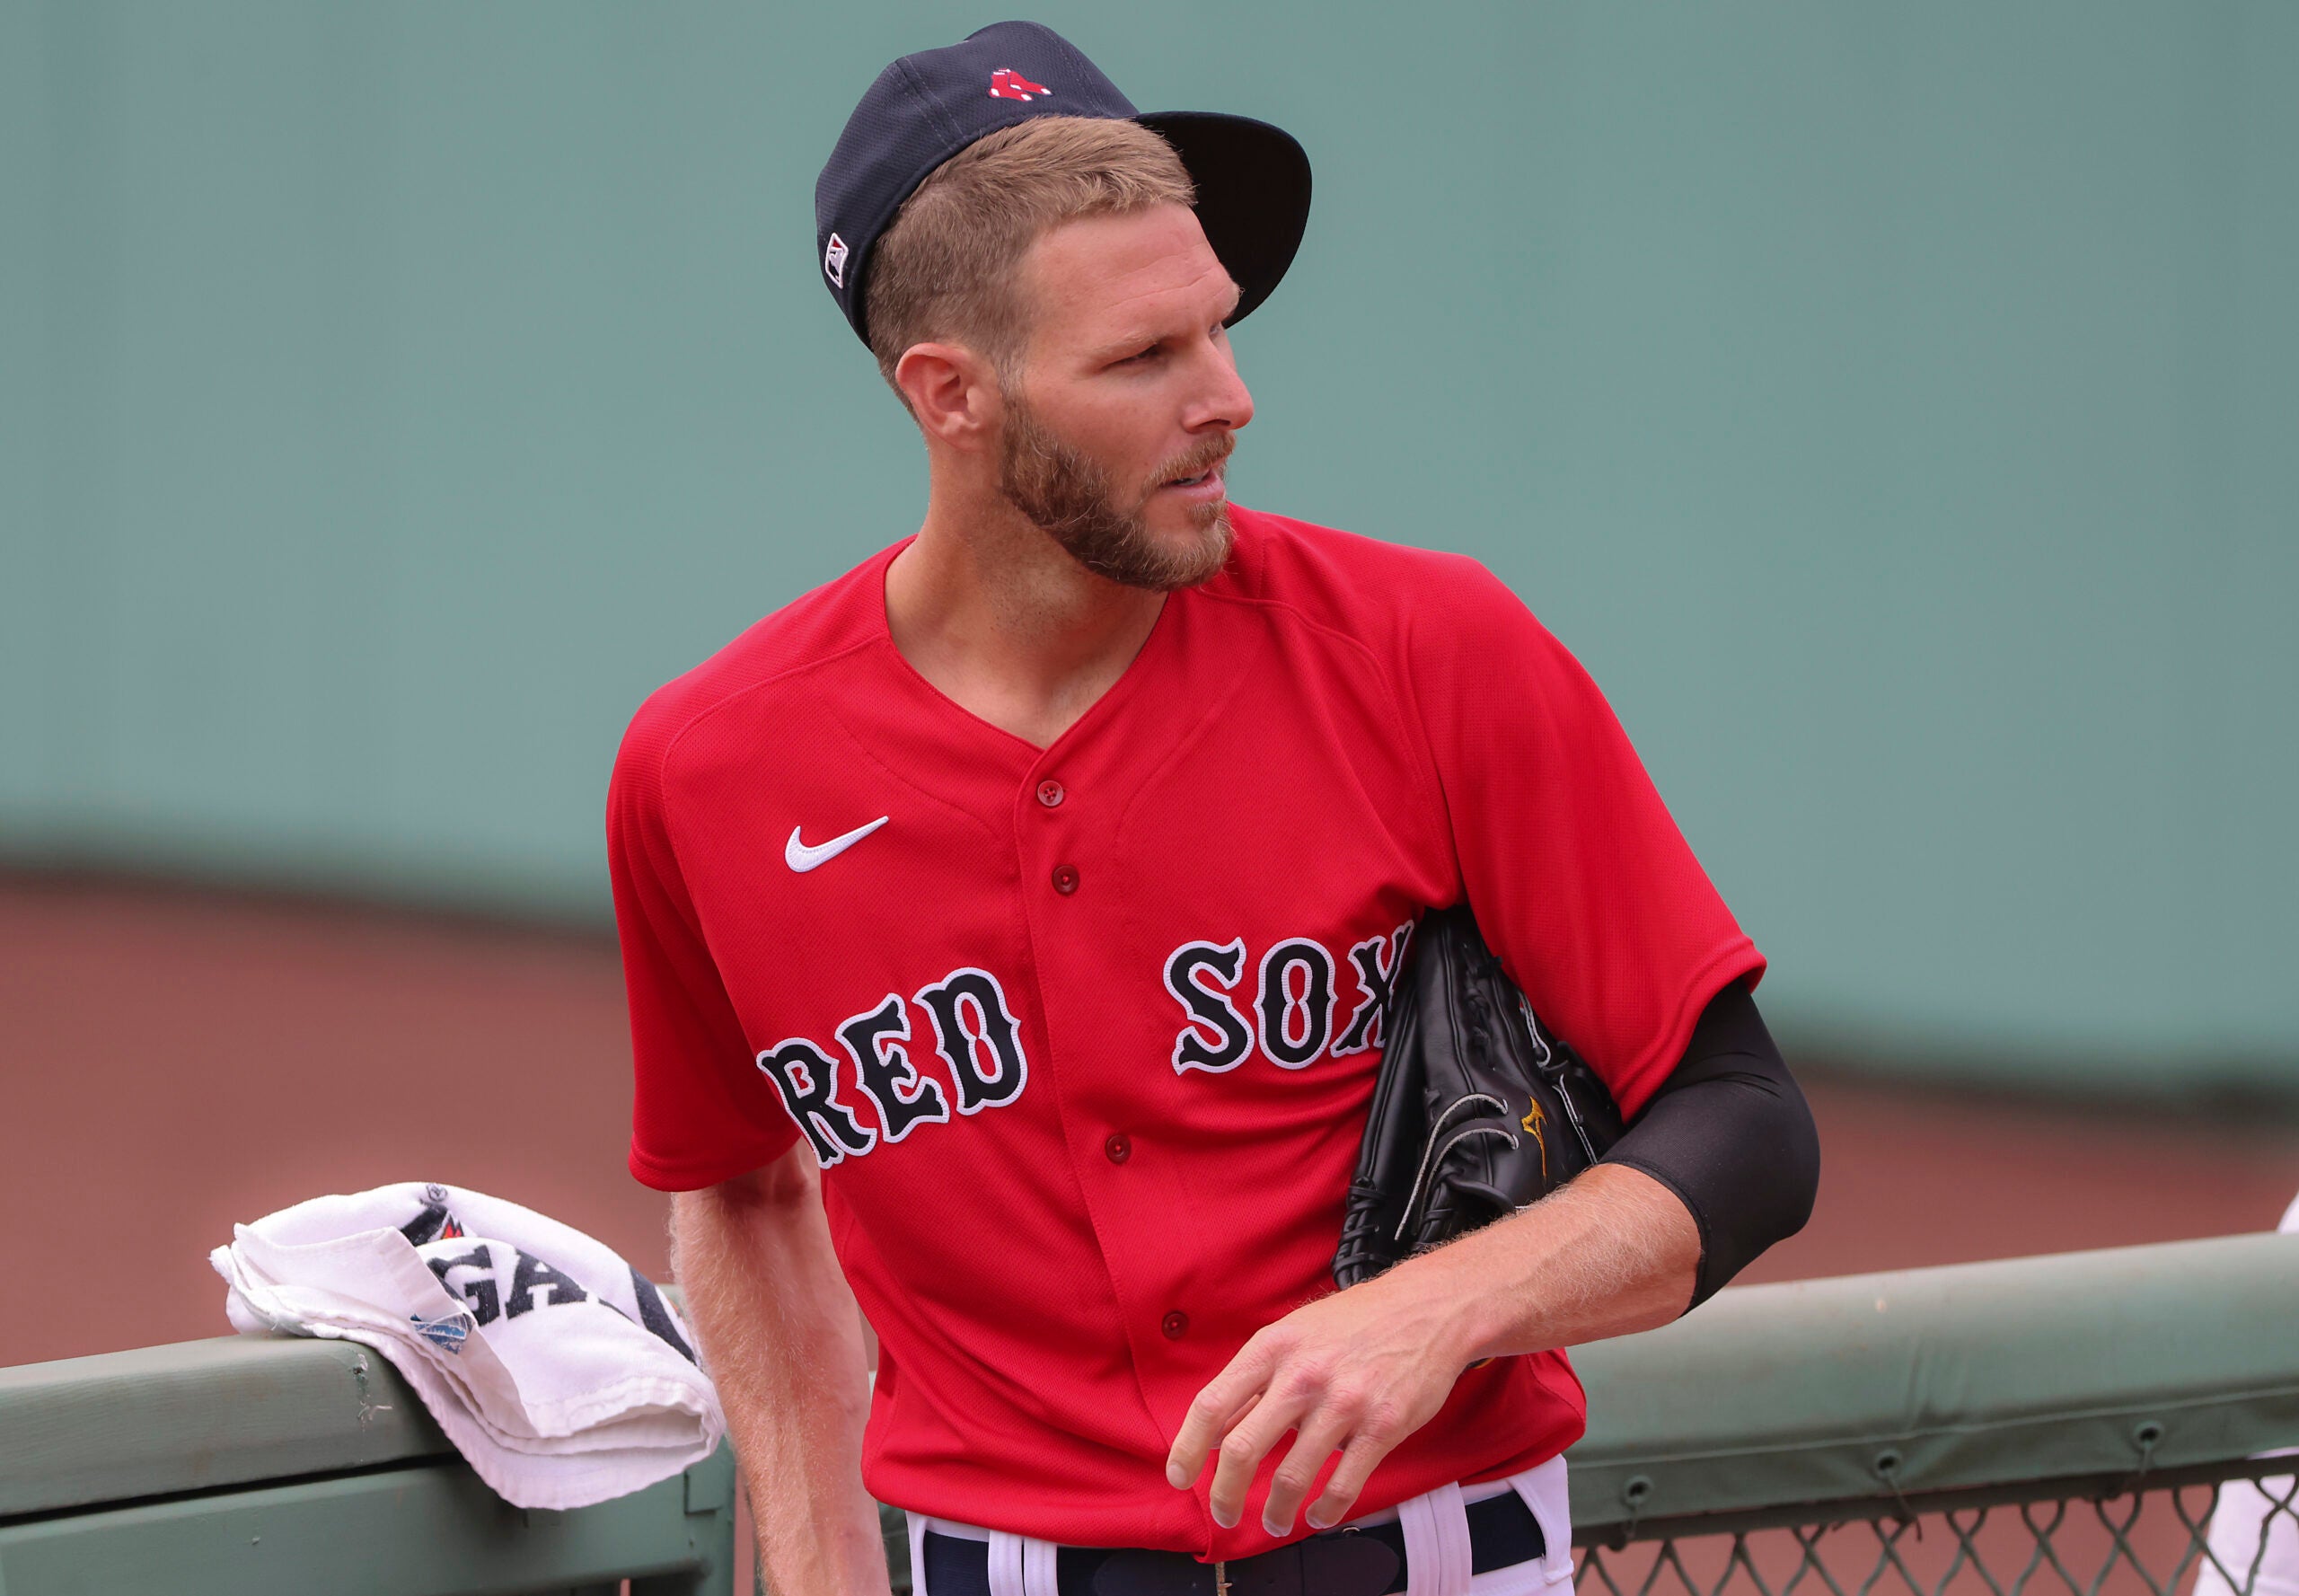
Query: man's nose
(1225, 402)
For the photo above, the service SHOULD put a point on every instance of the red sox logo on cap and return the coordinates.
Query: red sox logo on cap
(835, 260)
(1005, 83)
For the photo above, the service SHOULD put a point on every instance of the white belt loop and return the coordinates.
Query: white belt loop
(1547, 1491)
(1006, 1565)
(917, 1552)
(1038, 1567)
(1436, 1528)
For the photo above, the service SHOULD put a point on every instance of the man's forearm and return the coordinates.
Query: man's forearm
(784, 1344)
(1611, 1254)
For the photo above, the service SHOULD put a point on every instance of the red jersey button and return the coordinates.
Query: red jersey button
(1118, 1146)
(1050, 793)
(1176, 1325)
(1065, 879)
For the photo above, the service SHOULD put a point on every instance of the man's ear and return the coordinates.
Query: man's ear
(954, 393)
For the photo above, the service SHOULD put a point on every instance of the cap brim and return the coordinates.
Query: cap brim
(1253, 193)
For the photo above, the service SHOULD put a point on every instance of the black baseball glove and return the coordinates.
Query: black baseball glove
(1477, 1111)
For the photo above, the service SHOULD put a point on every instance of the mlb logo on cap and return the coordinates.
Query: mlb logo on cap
(834, 262)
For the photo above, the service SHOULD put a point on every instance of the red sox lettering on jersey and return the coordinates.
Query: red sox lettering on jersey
(978, 1041)
(1082, 1036)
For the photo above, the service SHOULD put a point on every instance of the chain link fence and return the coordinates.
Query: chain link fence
(2208, 1530)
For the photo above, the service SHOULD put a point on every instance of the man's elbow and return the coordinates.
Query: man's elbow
(1730, 1134)
(1800, 1153)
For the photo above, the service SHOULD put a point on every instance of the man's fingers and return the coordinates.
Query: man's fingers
(1202, 1431)
(1364, 1452)
(1220, 1405)
(1242, 1451)
(1321, 1433)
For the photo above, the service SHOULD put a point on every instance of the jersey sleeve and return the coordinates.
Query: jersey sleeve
(698, 1118)
(1578, 875)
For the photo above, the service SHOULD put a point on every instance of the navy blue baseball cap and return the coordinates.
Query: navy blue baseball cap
(1252, 179)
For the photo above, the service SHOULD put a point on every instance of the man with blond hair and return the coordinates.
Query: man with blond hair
(1009, 925)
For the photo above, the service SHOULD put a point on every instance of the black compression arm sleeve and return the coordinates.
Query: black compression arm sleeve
(1730, 1133)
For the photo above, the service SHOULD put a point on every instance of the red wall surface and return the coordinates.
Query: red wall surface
(170, 1063)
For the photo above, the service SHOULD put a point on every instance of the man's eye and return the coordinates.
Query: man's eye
(1139, 356)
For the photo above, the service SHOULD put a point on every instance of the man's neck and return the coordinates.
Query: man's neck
(1005, 624)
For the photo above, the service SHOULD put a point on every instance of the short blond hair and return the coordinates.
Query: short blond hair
(949, 266)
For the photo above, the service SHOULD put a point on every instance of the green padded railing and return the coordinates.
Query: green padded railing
(256, 1465)
(1871, 1387)
(2058, 1423)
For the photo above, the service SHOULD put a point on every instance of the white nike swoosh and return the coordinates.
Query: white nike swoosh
(802, 859)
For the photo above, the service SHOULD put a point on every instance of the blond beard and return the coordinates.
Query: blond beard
(1072, 500)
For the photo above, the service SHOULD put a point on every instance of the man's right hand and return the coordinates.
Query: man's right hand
(784, 1343)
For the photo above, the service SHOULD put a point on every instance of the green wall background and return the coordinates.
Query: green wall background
(1894, 405)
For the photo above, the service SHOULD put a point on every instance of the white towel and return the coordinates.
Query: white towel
(555, 1367)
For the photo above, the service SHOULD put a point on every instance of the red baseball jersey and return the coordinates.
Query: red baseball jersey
(1083, 1037)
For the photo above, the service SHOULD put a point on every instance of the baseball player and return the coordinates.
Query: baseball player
(1009, 927)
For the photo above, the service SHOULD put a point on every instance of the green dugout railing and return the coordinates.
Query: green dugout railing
(2060, 1423)
(258, 1464)
(2050, 1423)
